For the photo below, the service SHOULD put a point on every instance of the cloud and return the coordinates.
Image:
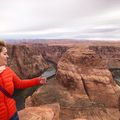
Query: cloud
(60, 19)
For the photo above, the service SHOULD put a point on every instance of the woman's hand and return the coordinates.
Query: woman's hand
(43, 80)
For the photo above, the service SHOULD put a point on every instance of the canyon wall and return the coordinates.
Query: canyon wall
(84, 86)
(87, 73)
(29, 60)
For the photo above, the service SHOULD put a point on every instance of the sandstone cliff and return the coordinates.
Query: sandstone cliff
(86, 71)
(28, 60)
(45, 112)
(49, 52)
(84, 86)
(110, 53)
(25, 62)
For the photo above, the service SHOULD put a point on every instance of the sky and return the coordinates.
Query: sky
(60, 19)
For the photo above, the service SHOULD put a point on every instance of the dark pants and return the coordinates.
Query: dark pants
(15, 117)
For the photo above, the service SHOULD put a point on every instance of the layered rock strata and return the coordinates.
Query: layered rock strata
(84, 86)
(45, 112)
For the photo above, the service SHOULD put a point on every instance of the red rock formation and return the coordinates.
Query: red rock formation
(86, 72)
(110, 53)
(25, 62)
(32, 58)
(45, 112)
(84, 87)
(50, 52)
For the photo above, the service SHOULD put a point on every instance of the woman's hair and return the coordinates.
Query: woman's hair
(2, 44)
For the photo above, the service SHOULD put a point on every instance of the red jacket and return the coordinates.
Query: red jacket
(9, 80)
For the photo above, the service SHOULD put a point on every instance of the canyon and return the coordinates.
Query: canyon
(32, 58)
(83, 88)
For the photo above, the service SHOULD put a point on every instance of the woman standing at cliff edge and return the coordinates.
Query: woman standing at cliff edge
(8, 81)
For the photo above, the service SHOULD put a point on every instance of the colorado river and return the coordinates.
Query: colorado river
(116, 75)
(117, 81)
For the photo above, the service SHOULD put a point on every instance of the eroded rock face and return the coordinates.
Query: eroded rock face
(84, 87)
(30, 59)
(86, 72)
(98, 114)
(53, 53)
(111, 53)
(25, 62)
(45, 112)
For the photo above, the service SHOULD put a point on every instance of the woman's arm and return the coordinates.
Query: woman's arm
(21, 84)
